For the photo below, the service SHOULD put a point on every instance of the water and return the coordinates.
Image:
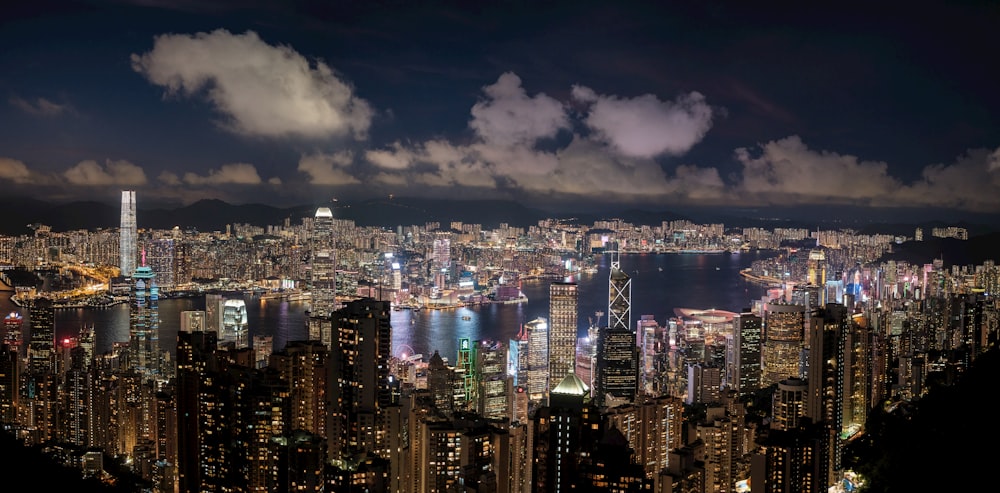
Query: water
(660, 283)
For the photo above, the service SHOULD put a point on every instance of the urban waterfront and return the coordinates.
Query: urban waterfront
(660, 283)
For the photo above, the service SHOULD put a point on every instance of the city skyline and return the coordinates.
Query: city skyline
(561, 105)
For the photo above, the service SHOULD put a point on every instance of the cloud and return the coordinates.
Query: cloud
(263, 90)
(15, 171)
(40, 107)
(507, 116)
(645, 127)
(227, 174)
(328, 169)
(787, 168)
(91, 173)
(787, 172)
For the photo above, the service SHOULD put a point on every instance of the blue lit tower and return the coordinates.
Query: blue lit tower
(128, 234)
(144, 323)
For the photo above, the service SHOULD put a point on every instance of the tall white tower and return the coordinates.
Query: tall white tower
(128, 235)
(323, 268)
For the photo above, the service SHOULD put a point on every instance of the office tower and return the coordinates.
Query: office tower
(144, 324)
(360, 387)
(784, 336)
(538, 359)
(619, 295)
(704, 383)
(440, 383)
(214, 304)
(128, 235)
(323, 265)
(825, 401)
(234, 323)
(159, 256)
(564, 431)
(492, 381)
(617, 372)
(441, 254)
(466, 364)
(816, 273)
(563, 301)
(193, 321)
(747, 338)
(788, 404)
(647, 333)
(42, 315)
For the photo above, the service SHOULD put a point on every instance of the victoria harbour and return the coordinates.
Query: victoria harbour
(660, 283)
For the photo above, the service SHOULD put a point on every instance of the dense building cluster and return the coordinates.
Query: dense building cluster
(711, 401)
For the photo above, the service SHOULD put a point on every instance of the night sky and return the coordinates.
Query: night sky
(555, 104)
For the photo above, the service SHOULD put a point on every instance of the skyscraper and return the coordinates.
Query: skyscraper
(323, 265)
(619, 295)
(747, 336)
(144, 323)
(784, 335)
(234, 323)
(617, 354)
(128, 236)
(563, 299)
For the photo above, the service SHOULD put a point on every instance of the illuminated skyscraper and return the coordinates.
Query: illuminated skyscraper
(323, 265)
(784, 336)
(619, 295)
(563, 300)
(128, 234)
(538, 359)
(747, 338)
(144, 323)
(234, 323)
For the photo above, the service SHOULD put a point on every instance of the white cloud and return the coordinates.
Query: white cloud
(263, 90)
(328, 169)
(233, 173)
(788, 168)
(972, 183)
(396, 157)
(40, 106)
(14, 170)
(645, 126)
(91, 173)
(169, 178)
(509, 117)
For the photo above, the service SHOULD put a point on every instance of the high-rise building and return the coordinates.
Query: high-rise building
(492, 381)
(563, 432)
(159, 255)
(538, 359)
(825, 402)
(234, 323)
(784, 336)
(128, 234)
(619, 295)
(323, 265)
(788, 405)
(563, 301)
(748, 332)
(360, 386)
(144, 324)
(193, 321)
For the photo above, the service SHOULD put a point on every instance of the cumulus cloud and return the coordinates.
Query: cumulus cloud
(263, 90)
(788, 172)
(328, 169)
(644, 126)
(92, 173)
(14, 170)
(787, 167)
(227, 174)
(508, 116)
(40, 106)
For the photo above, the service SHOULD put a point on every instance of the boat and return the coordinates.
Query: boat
(466, 317)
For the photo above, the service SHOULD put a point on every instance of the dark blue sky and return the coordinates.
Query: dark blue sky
(557, 104)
